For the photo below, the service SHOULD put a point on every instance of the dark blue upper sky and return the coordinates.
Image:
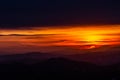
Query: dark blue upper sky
(17, 13)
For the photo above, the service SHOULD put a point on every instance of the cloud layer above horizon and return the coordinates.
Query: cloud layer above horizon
(95, 38)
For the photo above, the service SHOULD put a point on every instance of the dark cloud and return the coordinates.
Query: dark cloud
(38, 36)
(16, 14)
(48, 42)
(32, 36)
(114, 34)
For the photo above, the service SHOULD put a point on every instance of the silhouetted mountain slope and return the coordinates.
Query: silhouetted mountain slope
(99, 58)
(61, 68)
(62, 64)
(26, 57)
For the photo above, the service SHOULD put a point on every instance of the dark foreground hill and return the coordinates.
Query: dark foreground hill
(40, 66)
(58, 68)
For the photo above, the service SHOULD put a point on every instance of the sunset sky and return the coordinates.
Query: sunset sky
(73, 26)
(57, 39)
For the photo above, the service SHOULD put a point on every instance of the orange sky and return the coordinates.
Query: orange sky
(88, 37)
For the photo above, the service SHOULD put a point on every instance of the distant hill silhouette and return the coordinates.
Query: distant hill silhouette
(99, 58)
(26, 57)
(54, 67)
(37, 65)
(59, 68)
(67, 65)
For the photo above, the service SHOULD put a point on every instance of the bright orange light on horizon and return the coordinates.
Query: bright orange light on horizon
(89, 37)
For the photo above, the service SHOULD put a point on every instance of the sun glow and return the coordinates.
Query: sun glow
(93, 41)
(92, 38)
(88, 37)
